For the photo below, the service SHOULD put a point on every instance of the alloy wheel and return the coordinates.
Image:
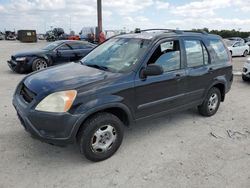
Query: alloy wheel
(213, 102)
(103, 139)
(41, 64)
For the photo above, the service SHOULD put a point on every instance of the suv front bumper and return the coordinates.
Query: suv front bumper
(53, 128)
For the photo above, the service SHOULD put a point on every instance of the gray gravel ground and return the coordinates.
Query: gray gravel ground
(178, 150)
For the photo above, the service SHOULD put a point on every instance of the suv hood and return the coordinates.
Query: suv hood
(65, 77)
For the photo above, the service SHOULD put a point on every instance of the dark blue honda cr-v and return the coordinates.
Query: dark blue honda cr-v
(127, 79)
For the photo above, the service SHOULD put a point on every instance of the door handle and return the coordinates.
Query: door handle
(210, 70)
(178, 76)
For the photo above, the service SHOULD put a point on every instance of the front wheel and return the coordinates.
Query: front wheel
(39, 64)
(101, 136)
(211, 103)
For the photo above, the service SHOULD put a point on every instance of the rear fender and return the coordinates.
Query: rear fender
(218, 80)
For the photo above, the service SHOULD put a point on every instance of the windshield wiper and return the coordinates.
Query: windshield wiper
(98, 67)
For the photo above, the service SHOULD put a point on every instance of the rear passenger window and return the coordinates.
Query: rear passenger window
(167, 54)
(75, 46)
(197, 54)
(221, 54)
(78, 45)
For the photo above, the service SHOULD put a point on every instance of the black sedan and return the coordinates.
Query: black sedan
(55, 53)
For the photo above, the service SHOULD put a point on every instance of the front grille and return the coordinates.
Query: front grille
(27, 95)
(245, 70)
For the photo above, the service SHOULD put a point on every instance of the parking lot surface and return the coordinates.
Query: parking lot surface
(179, 150)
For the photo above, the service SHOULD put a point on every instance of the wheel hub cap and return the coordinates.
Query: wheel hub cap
(41, 65)
(213, 102)
(103, 139)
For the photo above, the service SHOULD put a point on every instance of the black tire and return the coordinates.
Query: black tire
(87, 136)
(205, 108)
(39, 64)
(244, 78)
(245, 53)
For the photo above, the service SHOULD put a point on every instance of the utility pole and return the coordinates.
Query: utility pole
(99, 17)
(70, 24)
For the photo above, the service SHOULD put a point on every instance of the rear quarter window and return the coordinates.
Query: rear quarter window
(220, 51)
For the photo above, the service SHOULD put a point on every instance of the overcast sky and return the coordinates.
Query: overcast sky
(129, 14)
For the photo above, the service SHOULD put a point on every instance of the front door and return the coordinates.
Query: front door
(63, 54)
(156, 94)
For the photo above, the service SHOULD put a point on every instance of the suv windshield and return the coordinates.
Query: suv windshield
(117, 54)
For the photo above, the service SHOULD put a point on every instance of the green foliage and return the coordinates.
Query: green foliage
(225, 33)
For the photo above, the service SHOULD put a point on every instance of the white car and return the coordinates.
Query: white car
(246, 71)
(237, 48)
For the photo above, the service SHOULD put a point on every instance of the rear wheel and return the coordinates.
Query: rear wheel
(39, 64)
(211, 103)
(245, 53)
(101, 136)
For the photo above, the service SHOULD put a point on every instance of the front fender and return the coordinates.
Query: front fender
(32, 58)
(87, 111)
(47, 58)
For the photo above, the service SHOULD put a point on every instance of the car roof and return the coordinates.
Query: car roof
(159, 34)
(74, 41)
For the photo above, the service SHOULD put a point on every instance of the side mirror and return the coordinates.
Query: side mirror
(152, 70)
(58, 52)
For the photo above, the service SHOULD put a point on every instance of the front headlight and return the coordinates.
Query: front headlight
(57, 102)
(21, 59)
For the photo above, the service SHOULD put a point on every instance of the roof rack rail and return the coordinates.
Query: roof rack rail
(177, 31)
(169, 30)
(197, 31)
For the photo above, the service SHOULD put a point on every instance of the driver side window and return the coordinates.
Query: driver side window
(167, 54)
(64, 47)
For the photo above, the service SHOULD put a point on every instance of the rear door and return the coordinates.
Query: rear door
(198, 68)
(156, 94)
